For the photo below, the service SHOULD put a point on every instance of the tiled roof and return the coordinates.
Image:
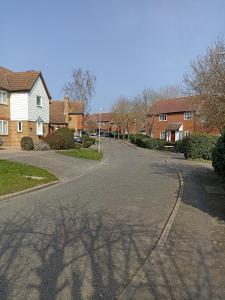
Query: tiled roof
(105, 117)
(174, 126)
(19, 81)
(57, 110)
(76, 107)
(174, 105)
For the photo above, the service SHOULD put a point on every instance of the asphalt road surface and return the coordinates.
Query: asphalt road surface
(86, 238)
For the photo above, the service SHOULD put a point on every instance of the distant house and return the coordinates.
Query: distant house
(24, 106)
(175, 119)
(106, 123)
(66, 113)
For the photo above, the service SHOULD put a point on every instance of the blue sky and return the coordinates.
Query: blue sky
(128, 44)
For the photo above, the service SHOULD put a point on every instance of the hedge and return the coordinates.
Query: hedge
(62, 138)
(27, 143)
(200, 146)
(145, 141)
(218, 156)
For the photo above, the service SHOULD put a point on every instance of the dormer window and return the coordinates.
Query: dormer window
(162, 117)
(188, 115)
(3, 97)
(39, 101)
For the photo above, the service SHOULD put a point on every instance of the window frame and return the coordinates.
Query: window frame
(18, 127)
(41, 101)
(2, 102)
(187, 133)
(164, 119)
(164, 132)
(40, 133)
(2, 126)
(186, 117)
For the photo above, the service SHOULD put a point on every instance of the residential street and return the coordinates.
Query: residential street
(91, 237)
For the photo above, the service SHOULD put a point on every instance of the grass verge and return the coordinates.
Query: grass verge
(82, 153)
(15, 177)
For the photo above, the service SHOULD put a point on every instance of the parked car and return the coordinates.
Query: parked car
(108, 134)
(77, 139)
(83, 132)
(1, 141)
(93, 134)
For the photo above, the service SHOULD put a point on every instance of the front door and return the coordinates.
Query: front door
(172, 136)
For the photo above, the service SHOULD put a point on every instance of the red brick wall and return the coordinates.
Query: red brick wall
(188, 125)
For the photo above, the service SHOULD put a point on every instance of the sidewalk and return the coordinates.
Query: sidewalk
(192, 263)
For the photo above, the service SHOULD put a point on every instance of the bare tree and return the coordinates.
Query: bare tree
(81, 87)
(123, 114)
(170, 91)
(141, 106)
(207, 81)
(91, 124)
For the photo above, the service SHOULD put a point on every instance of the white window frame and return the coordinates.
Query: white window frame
(19, 126)
(163, 135)
(2, 122)
(187, 133)
(41, 101)
(3, 97)
(163, 117)
(40, 130)
(188, 115)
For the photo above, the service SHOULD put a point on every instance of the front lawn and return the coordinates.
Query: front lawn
(82, 153)
(15, 177)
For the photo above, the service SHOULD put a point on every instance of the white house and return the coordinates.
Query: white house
(24, 106)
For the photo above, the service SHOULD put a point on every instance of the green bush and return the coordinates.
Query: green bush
(87, 141)
(41, 146)
(179, 146)
(60, 139)
(27, 143)
(200, 146)
(218, 156)
(145, 141)
(77, 146)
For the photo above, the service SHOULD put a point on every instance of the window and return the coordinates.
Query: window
(188, 115)
(162, 117)
(39, 128)
(3, 127)
(19, 126)
(39, 101)
(187, 133)
(3, 97)
(162, 135)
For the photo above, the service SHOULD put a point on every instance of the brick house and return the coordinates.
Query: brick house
(107, 122)
(66, 113)
(24, 106)
(175, 119)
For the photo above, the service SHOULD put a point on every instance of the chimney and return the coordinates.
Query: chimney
(66, 109)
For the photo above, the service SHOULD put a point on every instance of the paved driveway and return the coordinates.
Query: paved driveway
(64, 167)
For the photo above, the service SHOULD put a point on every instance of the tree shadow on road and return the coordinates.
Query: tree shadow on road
(70, 253)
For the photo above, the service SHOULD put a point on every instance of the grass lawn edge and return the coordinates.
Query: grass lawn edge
(83, 153)
(16, 177)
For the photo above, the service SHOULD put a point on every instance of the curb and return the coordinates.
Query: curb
(131, 145)
(28, 191)
(130, 287)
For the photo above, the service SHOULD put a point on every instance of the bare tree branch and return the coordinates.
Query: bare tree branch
(81, 87)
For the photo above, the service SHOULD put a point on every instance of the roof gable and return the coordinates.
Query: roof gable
(20, 81)
(57, 115)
